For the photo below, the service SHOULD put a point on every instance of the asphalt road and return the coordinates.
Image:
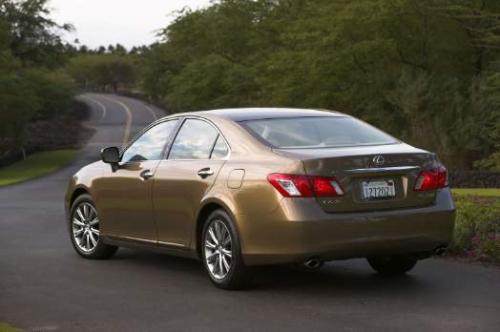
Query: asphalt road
(45, 286)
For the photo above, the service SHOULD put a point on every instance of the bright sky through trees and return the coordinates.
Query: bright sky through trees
(128, 22)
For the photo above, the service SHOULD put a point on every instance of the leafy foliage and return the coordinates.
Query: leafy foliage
(31, 87)
(424, 70)
(477, 228)
(102, 70)
(18, 104)
(32, 36)
(55, 90)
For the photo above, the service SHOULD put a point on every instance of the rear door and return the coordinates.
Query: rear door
(181, 181)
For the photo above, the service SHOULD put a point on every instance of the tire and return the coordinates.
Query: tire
(392, 265)
(218, 253)
(84, 230)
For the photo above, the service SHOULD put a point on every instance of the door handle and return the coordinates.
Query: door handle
(205, 172)
(146, 174)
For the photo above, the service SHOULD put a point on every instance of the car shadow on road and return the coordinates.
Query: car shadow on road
(337, 278)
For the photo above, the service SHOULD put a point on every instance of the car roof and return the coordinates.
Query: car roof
(244, 114)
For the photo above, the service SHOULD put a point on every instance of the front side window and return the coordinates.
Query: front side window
(150, 145)
(316, 132)
(195, 140)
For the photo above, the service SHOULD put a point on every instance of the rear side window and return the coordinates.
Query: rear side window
(316, 132)
(195, 140)
(221, 150)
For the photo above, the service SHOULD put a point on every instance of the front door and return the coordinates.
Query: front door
(195, 159)
(123, 196)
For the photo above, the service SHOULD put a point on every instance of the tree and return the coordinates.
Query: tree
(30, 87)
(120, 49)
(420, 69)
(102, 71)
(83, 49)
(18, 103)
(33, 36)
(481, 23)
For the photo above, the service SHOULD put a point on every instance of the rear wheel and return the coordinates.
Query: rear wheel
(392, 265)
(221, 252)
(84, 230)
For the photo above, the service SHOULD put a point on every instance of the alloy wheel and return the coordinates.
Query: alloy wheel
(218, 249)
(85, 227)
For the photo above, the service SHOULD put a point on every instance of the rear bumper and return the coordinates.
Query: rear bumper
(299, 229)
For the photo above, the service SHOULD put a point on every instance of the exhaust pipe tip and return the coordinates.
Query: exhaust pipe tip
(313, 263)
(440, 250)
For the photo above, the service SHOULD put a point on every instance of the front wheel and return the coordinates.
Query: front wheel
(221, 252)
(84, 230)
(392, 265)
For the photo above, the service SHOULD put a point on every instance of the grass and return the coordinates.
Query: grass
(477, 225)
(481, 192)
(7, 328)
(35, 165)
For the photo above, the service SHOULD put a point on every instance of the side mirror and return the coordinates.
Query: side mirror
(110, 155)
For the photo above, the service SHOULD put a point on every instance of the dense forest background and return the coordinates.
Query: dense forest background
(426, 71)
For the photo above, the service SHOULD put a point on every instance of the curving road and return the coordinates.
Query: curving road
(45, 286)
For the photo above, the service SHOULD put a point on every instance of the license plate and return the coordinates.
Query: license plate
(378, 189)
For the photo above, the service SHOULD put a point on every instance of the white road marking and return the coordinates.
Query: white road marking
(128, 124)
(151, 111)
(101, 105)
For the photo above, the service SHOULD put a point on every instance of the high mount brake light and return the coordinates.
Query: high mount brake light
(305, 185)
(433, 179)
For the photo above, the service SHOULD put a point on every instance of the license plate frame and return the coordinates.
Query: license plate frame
(378, 189)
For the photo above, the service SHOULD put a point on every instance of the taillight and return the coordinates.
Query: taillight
(325, 187)
(433, 179)
(305, 186)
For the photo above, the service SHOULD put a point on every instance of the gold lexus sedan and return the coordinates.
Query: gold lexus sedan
(237, 188)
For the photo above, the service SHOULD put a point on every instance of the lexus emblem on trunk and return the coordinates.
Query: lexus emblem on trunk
(378, 160)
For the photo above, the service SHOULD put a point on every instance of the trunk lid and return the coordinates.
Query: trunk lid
(357, 167)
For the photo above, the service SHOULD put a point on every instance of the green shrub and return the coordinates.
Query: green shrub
(102, 71)
(54, 89)
(477, 228)
(31, 94)
(212, 82)
(410, 67)
(18, 104)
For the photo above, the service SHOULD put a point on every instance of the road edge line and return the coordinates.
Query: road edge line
(101, 105)
(128, 124)
(153, 113)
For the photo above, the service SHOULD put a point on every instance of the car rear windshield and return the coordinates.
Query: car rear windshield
(316, 132)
